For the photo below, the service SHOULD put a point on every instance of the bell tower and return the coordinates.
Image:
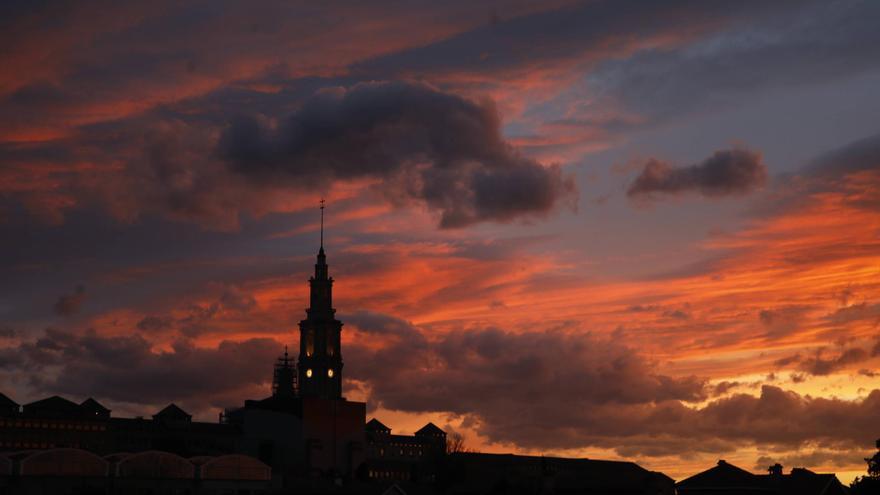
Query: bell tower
(320, 358)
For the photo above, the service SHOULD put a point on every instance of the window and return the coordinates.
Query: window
(310, 342)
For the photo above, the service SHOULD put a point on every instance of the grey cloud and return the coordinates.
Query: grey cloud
(859, 157)
(579, 34)
(820, 363)
(428, 146)
(725, 173)
(782, 362)
(862, 154)
(723, 387)
(819, 457)
(126, 369)
(422, 146)
(152, 323)
(856, 312)
(783, 320)
(476, 364)
(556, 390)
(538, 389)
(794, 45)
(234, 298)
(817, 365)
(70, 304)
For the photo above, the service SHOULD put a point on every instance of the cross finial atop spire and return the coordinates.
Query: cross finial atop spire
(322, 223)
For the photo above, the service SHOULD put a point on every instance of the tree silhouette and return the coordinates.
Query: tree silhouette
(874, 463)
(455, 444)
(870, 483)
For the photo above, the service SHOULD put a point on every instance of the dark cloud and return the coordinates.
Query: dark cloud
(862, 154)
(822, 362)
(783, 320)
(852, 173)
(236, 299)
(677, 314)
(69, 304)
(724, 387)
(472, 365)
(819, 457)
(820, 366)
(421, 146)
(426, 145)
(538, 389)
(128, 369)
(557, 390)
(788, 360)
(153, 323)
(856, 312)
(725, 173)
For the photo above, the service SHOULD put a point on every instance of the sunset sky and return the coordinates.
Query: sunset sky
(610, 229)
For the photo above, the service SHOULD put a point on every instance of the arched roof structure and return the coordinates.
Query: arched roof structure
(63, 462)
(155, 464)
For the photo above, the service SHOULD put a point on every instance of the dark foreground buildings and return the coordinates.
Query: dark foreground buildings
(727, 479)
(303, 438)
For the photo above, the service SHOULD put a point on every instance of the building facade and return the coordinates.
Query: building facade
(56, 422)
(403, 457)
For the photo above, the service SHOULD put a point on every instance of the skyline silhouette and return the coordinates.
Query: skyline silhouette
(634, 231)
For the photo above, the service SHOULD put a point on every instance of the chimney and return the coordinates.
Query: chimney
(775, 470)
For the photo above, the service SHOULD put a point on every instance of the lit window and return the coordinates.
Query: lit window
(309, 373)
(330, 372)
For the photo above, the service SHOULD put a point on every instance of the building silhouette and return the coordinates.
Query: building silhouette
(725, 478)
(416, 457)
(320, 356)
(306, 427)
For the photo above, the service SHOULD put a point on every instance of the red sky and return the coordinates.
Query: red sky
(634, 230)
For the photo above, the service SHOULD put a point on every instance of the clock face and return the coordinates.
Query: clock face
(309, 373)
(330, 372)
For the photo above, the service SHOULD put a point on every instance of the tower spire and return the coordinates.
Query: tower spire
(322, 223)
(320, 361)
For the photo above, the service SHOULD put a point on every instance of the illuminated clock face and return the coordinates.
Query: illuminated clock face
(309, 373)
(330, 372)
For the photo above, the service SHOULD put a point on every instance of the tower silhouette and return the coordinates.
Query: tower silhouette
(284, 377)
(320, 358)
